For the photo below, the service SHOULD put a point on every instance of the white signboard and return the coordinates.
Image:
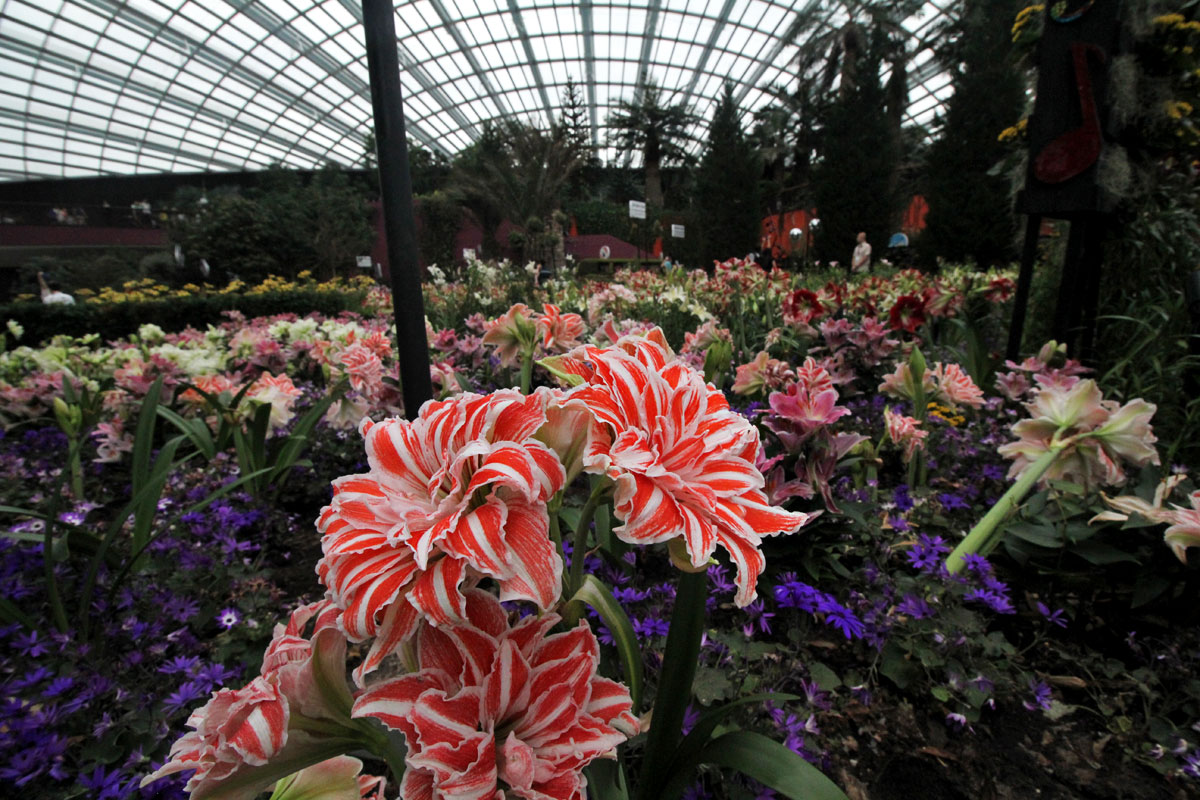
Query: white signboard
(637, 209)
(605, 251)
(677, 231)
(468, 254)
(364, 262)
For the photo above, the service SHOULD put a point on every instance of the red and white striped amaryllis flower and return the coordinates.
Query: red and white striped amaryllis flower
(494, 711)
(246, 739)
(234, 731)
(458, 493)
(560, 332)
(682, 461)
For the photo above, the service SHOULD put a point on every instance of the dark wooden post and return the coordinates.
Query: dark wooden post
(395, 193)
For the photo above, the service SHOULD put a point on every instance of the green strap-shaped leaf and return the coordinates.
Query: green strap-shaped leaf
(195, 429)
(699, 735)
(143, 438)
(594, 593)
(688, 620)
(766, 761)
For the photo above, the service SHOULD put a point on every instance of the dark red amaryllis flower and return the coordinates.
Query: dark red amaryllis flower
(802, 307)
(907, 314)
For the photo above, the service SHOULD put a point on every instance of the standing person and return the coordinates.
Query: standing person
(52, 292)
(861, 261)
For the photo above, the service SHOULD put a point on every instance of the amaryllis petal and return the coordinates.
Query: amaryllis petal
(535, 571)
(435, 593)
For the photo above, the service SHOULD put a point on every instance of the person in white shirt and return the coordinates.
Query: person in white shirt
(52, 293)
(861, 262)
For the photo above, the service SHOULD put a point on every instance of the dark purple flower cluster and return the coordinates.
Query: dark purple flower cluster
(791, 592)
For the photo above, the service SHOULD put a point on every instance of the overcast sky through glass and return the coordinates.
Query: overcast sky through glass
(93, 87)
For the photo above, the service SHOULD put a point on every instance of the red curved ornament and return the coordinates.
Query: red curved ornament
(1076, 150)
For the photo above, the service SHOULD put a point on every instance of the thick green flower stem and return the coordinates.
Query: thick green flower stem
(579, 541)
(526, 371)
(981, 538)
(675, 680)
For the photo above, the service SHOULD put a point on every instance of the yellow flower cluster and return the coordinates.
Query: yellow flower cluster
(1178, 22)
(946, 414)
(147, 289)
(1178, 109)
(1023, 18)
(1014, 131)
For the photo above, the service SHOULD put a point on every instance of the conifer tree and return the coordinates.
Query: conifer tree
(854, 182)
(727, 188)
(970, 212)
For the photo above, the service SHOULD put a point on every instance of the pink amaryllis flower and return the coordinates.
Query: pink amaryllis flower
(1093, 435)
(458, 493)
(560, 332)
(498, 711)
(512, 334)
(683, 462)
(807, 406)
(1184, 530)
(761, 375)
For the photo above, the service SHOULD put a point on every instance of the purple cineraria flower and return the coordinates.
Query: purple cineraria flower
(31, 678)
(993, 472)
(758, 617)
(185, 695)
(721, 583)
(844, 620)
(915, 607)
(103, 784)
(650, 627)
(958, 722)
(983, 683)
(1058, 616)
(927, 554)
(816, 696)
(1041, 696)
(901, 498)
(228, 618)
(58, 686)
(1191, 766)
(977, 565)
(951, 501)
(179, 664)
(30, 645)
(994, 600)
(691, 715)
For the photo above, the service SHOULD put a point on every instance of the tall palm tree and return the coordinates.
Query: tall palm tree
(658, 131)
(519, 172)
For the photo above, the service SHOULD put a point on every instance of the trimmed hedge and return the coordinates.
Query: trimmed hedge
(173, 314)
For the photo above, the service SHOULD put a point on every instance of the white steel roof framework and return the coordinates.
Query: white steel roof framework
(93, 87)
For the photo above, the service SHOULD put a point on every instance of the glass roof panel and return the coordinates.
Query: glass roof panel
(118, 86)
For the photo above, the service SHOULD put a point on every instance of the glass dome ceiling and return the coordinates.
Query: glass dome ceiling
(91, 87)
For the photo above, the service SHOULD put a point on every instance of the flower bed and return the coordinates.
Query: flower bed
(764, 521)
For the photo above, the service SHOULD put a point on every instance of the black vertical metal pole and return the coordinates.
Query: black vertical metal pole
(395, 193)
(1016, 328)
